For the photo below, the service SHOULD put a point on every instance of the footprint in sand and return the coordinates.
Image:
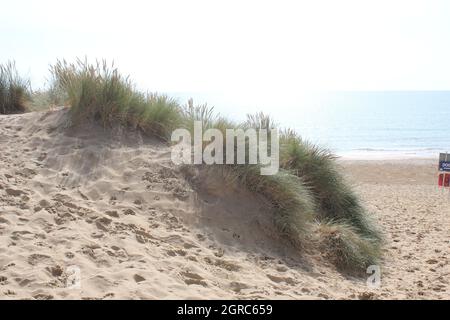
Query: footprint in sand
(113, 214)
(138, 278)
(278, 279)
(432, 261)
(4, 221)
(103, 223)
(55, 271)
(42, 296)
(9, 293)
(224, 264)
(22, 235)
(36, 259)
(192, 278)
(14, 192)
(238, 286)
(23, 282)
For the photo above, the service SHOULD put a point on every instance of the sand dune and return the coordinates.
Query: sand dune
(111, 208)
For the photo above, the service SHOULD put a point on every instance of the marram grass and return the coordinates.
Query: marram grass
(310, 199)
(14, 90)
(346, 247)
(335, 199)
(291, 202)
(99, 92)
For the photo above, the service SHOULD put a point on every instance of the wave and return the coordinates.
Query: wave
(397, 150)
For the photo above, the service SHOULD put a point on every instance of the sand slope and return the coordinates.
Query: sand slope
(112, 205)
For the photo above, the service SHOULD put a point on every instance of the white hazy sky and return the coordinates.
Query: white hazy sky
(258, 46)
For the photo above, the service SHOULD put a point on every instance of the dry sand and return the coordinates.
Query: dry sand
(113, 207)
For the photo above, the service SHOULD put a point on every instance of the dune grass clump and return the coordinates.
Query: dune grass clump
(259, 120)
(99, 92)
(292, 205)
(291, 201)
(309, 197)
(308, 190)
(202, 113)
(346, 248)
(14, 90)
(159, 115)
(336, 206)
(335, 199)
(45, 99)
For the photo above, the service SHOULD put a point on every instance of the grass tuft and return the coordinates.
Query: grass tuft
(46, 99)
(99, 92)
(202, 113)
(292, 204)
(346, 248)
(335, 199)
(159, 115)
(14, 90)
(260, 120)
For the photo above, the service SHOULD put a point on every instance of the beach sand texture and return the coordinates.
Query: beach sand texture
(113, 207)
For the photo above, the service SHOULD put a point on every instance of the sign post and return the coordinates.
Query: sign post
(444, 170)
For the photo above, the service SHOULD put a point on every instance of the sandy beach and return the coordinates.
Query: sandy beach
(88, 214)
(415, 217)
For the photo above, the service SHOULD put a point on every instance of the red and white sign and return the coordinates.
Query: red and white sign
(444, 180)
(444, 167)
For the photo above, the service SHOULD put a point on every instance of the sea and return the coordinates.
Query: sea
(351, 124)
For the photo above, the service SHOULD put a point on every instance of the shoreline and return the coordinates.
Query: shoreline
(386, 156)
